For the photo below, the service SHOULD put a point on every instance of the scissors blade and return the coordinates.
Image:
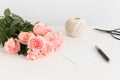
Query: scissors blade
(107, 31)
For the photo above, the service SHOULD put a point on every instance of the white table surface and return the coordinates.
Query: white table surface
(85, 64)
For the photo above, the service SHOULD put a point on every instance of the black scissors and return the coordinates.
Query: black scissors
(114, 33)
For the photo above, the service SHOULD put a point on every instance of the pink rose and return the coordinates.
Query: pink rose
(12, 46)
(24, 37)
(48, 48)
(36, 42)
(33, 55)
(49, 36)
(48, 29)
(39, 29)
(58, 41)
(59, 38)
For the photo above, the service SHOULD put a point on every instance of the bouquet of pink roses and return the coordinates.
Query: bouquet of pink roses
(33, 41)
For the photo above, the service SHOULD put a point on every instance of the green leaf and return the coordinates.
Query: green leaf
(3, 38)
(6, 33)
(27, 26)
(8, 19)
(1, 22)
(10, 32)
(15, 22)
(7, 12)
(1, 35)
(18, 18)
(23, 50)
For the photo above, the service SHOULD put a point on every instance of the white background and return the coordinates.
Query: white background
(56, 12)
(90, 66)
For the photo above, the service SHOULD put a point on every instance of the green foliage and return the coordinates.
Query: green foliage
(7, 12)
(23, 50)
(11, 25)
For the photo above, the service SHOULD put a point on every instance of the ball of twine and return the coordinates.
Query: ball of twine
(75, 26)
